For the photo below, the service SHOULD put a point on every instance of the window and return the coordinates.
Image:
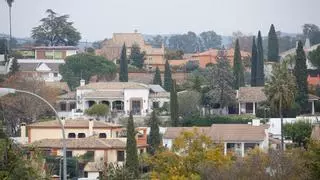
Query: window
(48, 54)
(141, 151)
(72, 105)
(120, 156)
(69, 153)
(58, 55)
(81, 135)
(63, 106)
(155, 104)
(71, 135)
(85, 174)
(55, 74)
(102, 135)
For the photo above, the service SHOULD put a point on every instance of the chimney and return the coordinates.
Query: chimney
(255, 122)
(23, 131)
(82, 82)
(90, 127)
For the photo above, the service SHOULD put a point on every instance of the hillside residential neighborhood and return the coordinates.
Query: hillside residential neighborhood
(162, 101)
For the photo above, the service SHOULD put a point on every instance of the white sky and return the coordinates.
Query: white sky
(98, 19)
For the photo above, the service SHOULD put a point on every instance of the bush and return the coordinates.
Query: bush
(214, 119)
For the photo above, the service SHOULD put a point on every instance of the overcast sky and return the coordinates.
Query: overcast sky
(98, 19)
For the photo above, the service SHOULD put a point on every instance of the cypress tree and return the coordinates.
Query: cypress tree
(157, 77)
(132, 162)
(254, 59)
(197, 84)
(174, 105)
(238, 70)
(14, 67)
(154, 136)
(167, 77)
(123, 74)
(273, 46)
(300, 72)
(260, 62)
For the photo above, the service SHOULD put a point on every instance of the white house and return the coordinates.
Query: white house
(237, 138)
(121, 97)
(47, 70)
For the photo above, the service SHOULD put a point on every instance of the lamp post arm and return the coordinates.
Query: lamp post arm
(62, 128)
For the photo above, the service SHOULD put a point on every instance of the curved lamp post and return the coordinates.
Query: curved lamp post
(5, 91)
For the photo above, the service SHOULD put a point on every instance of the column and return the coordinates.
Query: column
(110, 103)
(313, 108)
(242, 149)
(254, 108)
(225, 149)
(239, 108)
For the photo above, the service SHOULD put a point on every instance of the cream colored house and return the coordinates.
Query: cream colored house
(111, 49)
(104, 142)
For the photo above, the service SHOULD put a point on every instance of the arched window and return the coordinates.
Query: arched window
(71, 135)
(102, 135)
(81, 135)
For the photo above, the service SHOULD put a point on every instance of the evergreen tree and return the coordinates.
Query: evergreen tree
(154, 137)
(300, 72)
(167, 77)
(273, 46)
(260, 62)
(238, 70)
(14, 67)
(157, 77)
(197, 84)
(132, 162)
(137, 58)
(254, 59)
(123, 74)
(174, 105)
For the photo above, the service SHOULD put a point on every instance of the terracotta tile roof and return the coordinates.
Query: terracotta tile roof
(224, 132)
(313, 80)
(56, 47)
(315, 135)
(91, 142)
(251, 94)
(210, 52)
(237, 132)
(114, 85)
(73, 123)
(128, 38)
(174, 132)
(104, 94)
(313, 97)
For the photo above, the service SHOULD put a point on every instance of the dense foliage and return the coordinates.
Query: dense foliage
(98, 110)
(314, 57)
(137, 57)
(86, 66)
(174, 106)
(299, 132)
(157, 77)
(167, 84)
(254, 61)
(56, 31)
(154, 139)
(260, 62)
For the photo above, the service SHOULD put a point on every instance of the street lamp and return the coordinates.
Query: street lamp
(5, 91)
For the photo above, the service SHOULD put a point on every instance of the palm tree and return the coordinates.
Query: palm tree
(9, 2)
(280, 90)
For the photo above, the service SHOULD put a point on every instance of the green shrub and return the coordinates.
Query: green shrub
(215, 119)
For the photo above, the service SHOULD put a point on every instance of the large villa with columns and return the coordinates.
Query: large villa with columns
(121, 98)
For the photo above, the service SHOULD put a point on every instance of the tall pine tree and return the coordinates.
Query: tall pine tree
(154, 137)
(14, 67)
(254, 59)
(260, 62)
(273, 45)
(238, 69)
(300, 72)
(157, 77)
(123, 74)
(132, 162)
(167, 77)
(137, 57)
(174, 108)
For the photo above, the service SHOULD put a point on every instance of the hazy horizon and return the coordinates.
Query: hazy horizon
(99, 19)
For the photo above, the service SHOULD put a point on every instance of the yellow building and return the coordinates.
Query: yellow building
(111, 49)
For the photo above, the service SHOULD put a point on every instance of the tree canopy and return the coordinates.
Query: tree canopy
(137, 57)
(312, 32)
(98, 110)
(174, 106)
(154, 139)
(85, 66)
(273, 45)
(254, 61)
(123, 74)
(167, 84)
(314, 57)
(238, 69)
(260, 62)
(132, 162)
(157, 77)
(56, 30)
